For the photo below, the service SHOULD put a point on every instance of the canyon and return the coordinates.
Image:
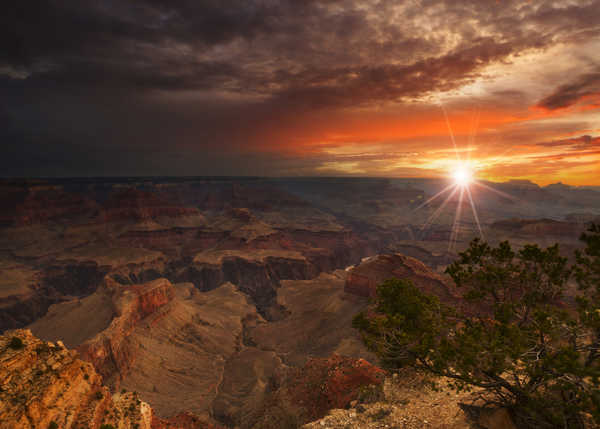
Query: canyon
(213, 298)
(43, 384)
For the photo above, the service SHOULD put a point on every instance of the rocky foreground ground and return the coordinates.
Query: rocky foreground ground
(45, 385)
(407, 401)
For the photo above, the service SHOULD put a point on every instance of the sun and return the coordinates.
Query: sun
(463, 175)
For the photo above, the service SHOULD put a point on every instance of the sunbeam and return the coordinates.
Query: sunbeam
(437, 212)
(451, 133)
(503, 194)
(446, 189)
(455, 226)
(475, 213)
(463, 177)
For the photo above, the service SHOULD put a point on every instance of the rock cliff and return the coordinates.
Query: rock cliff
(257, 273)
(110, 350)
(44, 385)
(62, 239)
(307, 393)
(363, 279)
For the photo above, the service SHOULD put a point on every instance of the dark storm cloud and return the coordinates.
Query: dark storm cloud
(34, 29)
(367, 84)
(571, 93)
(156, 44)
(102, 78)
(168, 44)
(120, 44)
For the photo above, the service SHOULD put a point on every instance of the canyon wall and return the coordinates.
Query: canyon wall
(44, 385)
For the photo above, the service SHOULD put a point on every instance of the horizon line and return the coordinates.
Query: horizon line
(254, 177)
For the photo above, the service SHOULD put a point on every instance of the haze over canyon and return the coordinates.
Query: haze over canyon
(208, 295)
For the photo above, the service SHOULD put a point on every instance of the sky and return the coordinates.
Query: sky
(301, 88)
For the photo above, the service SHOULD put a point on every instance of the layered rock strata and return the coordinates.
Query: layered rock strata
(44, 385)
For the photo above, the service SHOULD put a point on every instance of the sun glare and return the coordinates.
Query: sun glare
(459, 192)
(462, 175)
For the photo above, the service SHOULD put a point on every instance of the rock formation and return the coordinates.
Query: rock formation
(540, 227)
(21, 300)
(323, 384)
(318, 321)
(44, 385)
(363, 279)
(110, 350)
(309, 392)
(60, 240)
(204, 294)
(205, 352)
(182, 351)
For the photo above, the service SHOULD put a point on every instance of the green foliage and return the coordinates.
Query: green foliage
(587, 274)
(514, 339)
(400, 304)
(587, 271)
(107, 426)
(16, 343)
(53, 425)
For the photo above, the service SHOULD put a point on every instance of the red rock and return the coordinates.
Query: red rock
(109, 351)
(325, 384)
(41, 383)
(133, 204)
(40, 204)
(364, 279)
(242, 214)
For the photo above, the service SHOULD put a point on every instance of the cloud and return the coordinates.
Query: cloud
(571, 93)
(208, 80)
(326, 50)
(576, 143)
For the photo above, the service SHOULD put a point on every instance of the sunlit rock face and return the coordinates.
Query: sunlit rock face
(42, 383)
(110, 350)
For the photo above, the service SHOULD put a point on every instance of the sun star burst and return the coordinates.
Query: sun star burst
(463, 175)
